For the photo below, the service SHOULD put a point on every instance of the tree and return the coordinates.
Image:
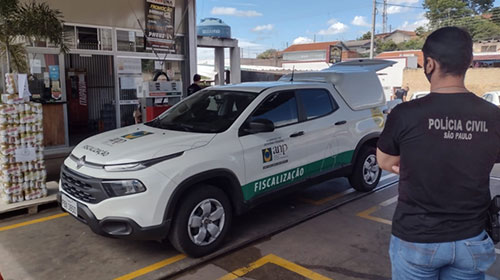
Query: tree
(268, 54)
(480, 28)
(366, 36)
(480, 6)
(421, 31)
(27, 21)
(386, 46)
(413, 44)
(442, 10)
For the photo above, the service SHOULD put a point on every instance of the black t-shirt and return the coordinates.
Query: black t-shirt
(400, 93)
(448, 144)
(192, 89)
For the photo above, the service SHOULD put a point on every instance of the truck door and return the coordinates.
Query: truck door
(268, 155)
(321, 124)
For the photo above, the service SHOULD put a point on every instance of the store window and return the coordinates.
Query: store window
(131, 73)
(130, 41)
(44, 79)
(88, 38)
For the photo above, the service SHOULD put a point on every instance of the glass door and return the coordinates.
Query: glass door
(129, 76)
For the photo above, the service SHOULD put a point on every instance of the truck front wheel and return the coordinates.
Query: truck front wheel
(366, 172)
(201, 221)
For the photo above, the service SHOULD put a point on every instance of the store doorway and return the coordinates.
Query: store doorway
(90, 87)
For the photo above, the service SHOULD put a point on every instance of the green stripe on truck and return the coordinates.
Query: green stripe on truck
(275, 181)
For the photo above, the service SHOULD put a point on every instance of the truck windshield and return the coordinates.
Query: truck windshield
(208, 111)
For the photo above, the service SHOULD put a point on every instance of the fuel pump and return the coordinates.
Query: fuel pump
(157, 96)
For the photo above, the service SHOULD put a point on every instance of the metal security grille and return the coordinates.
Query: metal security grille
(100, 86)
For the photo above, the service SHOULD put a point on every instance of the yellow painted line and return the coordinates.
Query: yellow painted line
(367, 215)
(277, 261)
(33, 221)
(326, 199)
(152, 267)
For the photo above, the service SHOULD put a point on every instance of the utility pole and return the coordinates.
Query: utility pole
(373, 28)
(384, 18)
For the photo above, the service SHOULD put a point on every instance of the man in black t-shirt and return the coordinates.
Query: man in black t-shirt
(194, 87)
(444, 146)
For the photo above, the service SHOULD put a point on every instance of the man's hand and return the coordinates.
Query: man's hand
(388, 162)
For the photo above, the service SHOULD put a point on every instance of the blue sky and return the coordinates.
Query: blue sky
(263, 24)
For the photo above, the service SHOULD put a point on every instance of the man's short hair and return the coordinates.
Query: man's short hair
(452, 48)
(196, 78)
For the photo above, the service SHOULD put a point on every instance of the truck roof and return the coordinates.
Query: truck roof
(260, 86)
(356, 81)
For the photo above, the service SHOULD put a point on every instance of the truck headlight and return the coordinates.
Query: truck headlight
(139, 165)
(123, 187)
(124, 167)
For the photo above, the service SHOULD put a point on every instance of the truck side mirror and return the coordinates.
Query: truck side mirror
(258, 126)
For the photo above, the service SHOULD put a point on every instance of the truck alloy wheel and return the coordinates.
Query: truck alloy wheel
(206, 222)
(370, 170)
(201, 222)
(366, 172)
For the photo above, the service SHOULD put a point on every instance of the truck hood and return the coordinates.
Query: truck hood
(137, 143)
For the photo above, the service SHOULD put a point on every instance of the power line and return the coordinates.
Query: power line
(401, 5)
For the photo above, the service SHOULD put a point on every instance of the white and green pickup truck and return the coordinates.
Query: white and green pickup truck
(187, 174)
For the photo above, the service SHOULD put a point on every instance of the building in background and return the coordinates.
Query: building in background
(313, 56)
(397, 36)
(487, 46)
(391, 78)
(408, 53)
(360, 46)
(114, 46)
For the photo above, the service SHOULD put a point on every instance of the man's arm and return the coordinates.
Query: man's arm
(388, 162)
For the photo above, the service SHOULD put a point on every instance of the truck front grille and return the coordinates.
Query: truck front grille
(81, 187)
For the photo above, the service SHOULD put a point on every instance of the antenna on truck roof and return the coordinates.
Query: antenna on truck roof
(293, 72)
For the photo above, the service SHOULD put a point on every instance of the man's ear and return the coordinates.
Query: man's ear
(430, 65)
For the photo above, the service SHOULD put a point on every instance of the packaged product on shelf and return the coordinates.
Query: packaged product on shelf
(22, 174)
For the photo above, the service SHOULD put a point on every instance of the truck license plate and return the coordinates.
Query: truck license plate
(69, 205)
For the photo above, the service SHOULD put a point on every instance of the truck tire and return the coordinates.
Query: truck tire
(201, 221)
(366, 172)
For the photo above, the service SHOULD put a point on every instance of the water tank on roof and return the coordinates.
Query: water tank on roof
(213, 27)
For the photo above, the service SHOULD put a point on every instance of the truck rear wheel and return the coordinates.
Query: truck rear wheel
(366, 172)
(201, 221)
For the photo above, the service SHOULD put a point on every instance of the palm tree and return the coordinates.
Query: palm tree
(27, 22)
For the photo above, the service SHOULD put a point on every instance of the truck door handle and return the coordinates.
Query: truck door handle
(297, 134)
(340, 122)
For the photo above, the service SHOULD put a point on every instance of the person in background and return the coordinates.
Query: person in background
(401, 93)
(444, 152)
(194, 87)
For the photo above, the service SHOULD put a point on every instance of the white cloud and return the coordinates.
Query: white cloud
(395, 10)
(401, 9)
(260, 28)
(335, 27)
(360, 21)
(228, 11)
(302, 40)
(414, 25)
